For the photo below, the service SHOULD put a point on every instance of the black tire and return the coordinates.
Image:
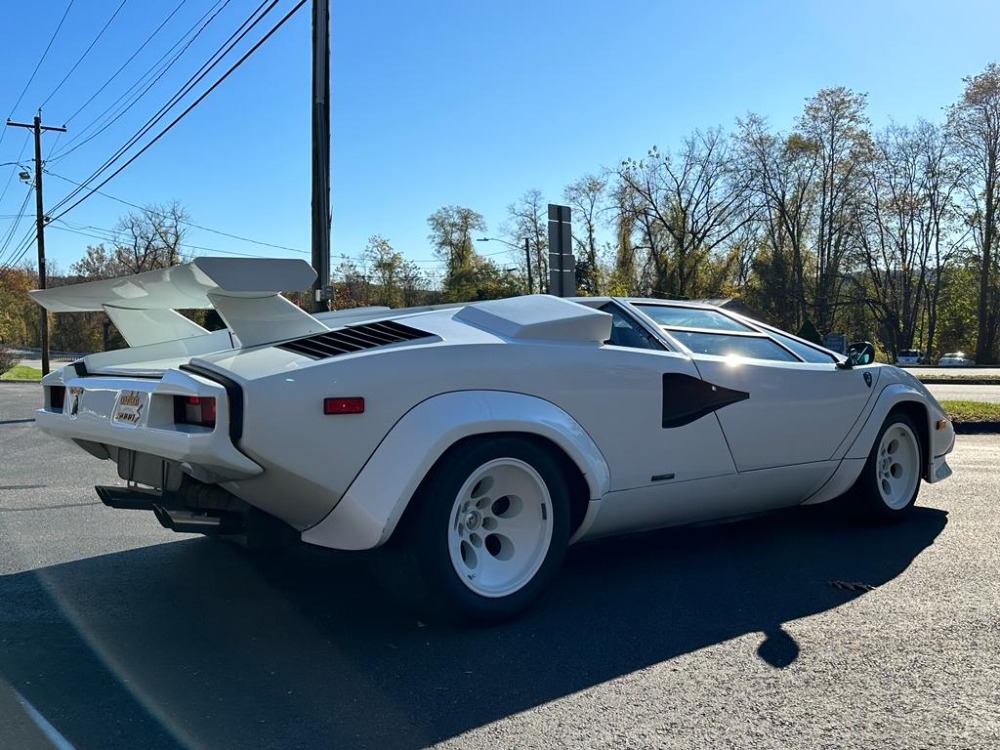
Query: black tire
(465, 521)
(890, 482)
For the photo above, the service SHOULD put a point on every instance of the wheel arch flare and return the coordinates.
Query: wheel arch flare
(373, 504)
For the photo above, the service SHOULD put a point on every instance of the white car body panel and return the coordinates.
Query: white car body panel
(90, 410)
(368, 512)
(802, 409)
(748, 435)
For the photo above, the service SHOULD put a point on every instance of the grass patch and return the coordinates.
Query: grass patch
(22, 372)
(971, 411)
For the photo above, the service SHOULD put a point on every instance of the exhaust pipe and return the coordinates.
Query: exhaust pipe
(199, 508)
(196, 522)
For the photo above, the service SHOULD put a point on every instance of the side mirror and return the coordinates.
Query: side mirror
(858, 353)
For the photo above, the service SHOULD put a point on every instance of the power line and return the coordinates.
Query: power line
(13, 171)
(16, 223)
(85, 52)
(211, 14)
(109, 235)
(215, 58)
(22, 250)
(147, 209)
(39, 64)
(194, 104)
(130, 59)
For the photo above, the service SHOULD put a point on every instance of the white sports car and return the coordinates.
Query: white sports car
(471, 444)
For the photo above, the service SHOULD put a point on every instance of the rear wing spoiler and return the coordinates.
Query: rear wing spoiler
(244, 291)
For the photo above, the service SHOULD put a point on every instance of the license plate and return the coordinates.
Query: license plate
(130, 407)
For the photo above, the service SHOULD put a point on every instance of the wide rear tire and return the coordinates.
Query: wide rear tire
(484, 534)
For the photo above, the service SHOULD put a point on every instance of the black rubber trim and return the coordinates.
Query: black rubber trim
(81, 369)
(235, 392)
(687, 399)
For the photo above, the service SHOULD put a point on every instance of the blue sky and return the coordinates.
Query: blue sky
(441, 102)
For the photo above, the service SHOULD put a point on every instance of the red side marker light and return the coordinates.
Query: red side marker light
(352, 405)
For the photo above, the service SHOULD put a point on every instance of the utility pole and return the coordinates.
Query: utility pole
(321, 153)
(37, 127)
(527, 261)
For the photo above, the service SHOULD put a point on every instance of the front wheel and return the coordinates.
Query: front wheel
(485, 533)
(889, 484)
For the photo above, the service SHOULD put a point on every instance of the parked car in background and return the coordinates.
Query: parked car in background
(910, 357)
(955, 359)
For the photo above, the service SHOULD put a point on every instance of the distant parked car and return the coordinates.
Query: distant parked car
(909, 357)
(955, 359)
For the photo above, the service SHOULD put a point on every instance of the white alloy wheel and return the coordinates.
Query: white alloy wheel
(897, 465)
(500, 528)
(484, 534)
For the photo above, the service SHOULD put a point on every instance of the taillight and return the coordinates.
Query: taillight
(57, 397)
(199, 410)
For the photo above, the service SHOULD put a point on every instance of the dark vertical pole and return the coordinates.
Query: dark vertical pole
(562, 266)
(40, 237)
(321, 218)
(36, 127)
(527, 259)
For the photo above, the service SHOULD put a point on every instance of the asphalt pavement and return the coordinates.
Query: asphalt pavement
(795, 630)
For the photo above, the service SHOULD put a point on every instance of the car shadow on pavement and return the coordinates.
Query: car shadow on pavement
(197, 644)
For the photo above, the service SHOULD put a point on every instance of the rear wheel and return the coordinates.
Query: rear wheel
(484, 535)
(889, 484)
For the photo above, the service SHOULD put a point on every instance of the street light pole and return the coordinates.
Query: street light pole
(527, 254)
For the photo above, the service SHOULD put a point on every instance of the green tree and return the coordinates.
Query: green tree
(393, 280)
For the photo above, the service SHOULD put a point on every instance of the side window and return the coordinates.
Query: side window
(808, 353)
(723, 345)
(626, 332)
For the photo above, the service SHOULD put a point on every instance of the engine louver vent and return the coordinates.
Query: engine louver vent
(354, 339)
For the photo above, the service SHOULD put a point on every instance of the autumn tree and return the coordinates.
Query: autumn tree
(974, 129)
(20, 321)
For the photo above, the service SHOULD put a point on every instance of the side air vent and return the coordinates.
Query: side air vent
(354, 339)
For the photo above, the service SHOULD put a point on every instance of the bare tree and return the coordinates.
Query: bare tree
(141, 241)
(902, 227)
(834, 126)
(783, 170)
(974, 128)
(689, 206)
(585, 197)
(528, 219)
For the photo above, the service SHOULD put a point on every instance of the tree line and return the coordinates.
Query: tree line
(887, 234)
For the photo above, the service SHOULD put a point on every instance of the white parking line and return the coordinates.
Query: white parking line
(50, 732)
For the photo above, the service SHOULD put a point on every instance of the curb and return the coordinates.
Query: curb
(976, 428)
(959, 381)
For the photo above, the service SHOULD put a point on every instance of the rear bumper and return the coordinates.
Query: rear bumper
(88, 410)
